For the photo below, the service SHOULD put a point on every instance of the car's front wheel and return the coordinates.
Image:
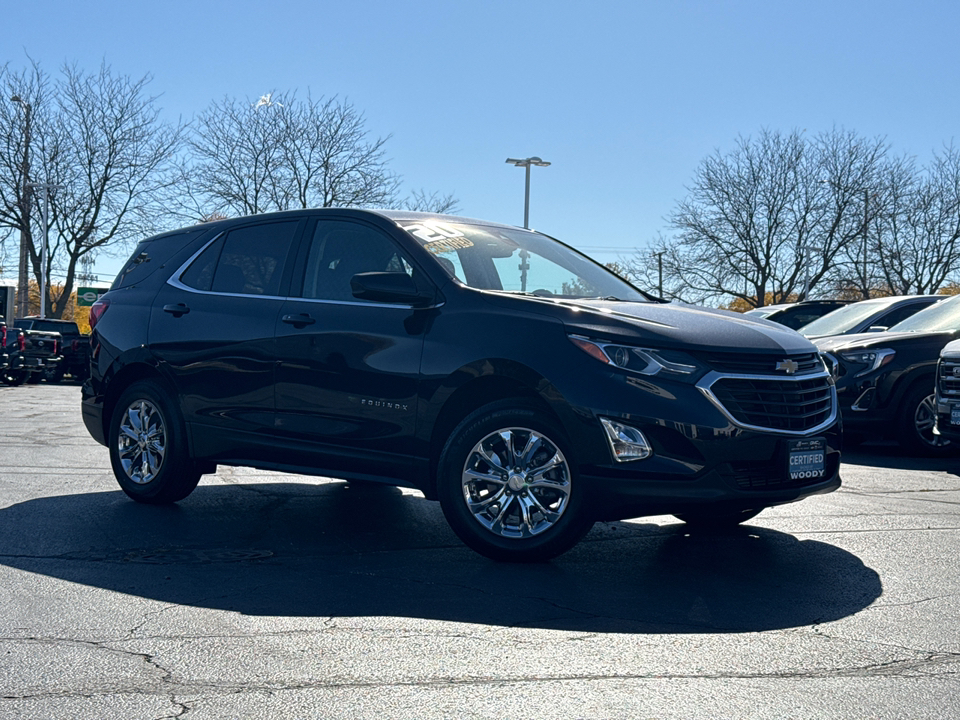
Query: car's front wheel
(148, 449)
(918, 414)
(509, 486)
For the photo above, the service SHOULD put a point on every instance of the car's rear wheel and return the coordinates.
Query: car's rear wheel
(918, 414)
(148, 449)
(509, 486)
(54, 375)
(706, 520)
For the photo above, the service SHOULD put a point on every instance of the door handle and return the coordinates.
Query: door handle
(298, 321)
(176, 310)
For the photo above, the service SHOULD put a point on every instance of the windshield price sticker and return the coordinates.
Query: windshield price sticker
(955, 414)
(807, 458)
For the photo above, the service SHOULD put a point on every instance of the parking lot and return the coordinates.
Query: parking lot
(265, 595)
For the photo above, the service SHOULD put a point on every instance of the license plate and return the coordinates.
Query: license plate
(955, 414)
(806, 458)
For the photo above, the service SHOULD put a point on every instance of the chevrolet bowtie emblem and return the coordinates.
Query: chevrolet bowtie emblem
(788, 366)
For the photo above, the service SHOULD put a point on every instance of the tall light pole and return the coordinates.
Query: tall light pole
(23, 275)
(524, 254)
(45, 188)
(866, 205)
(527, 163)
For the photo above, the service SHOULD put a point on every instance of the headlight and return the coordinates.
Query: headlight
(868, 360)
(644, 361)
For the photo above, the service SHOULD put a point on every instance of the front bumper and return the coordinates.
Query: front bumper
(703, 456)
(948, 419)
(750, 473)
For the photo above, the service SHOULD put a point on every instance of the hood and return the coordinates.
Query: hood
(835, 343)
(676, 325)
(951, 350)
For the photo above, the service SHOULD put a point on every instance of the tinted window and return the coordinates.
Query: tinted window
(901, 314)
(152, 253)
(339, 250)
(246, 261)
(200, 273)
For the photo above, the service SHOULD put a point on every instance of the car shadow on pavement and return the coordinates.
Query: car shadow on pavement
(335, 550)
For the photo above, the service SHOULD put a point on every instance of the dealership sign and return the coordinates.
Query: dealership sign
(87, 296)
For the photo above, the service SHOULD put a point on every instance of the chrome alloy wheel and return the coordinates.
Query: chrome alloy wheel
(924, 419)
(516, 483)
(142, 441)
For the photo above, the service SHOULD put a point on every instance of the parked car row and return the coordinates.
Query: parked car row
(35, 349)
(884, 353)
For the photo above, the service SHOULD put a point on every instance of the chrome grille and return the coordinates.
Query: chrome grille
(795, 405)
(949, 378)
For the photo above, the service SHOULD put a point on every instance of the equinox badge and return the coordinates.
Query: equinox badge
(788, 366)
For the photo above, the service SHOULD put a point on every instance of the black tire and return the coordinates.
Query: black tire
(34, 378)
(53, 375)
(148, 448)
(915, 424)
(14, 377)
(544, 510)
(706, 520)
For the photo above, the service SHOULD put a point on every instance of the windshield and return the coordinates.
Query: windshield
(942, 317)
(843, 319)
(517, 261)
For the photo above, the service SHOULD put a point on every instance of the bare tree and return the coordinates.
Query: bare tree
(765, 222)
(916, 236)
(420, 201)
(281, 152)
(100, 152)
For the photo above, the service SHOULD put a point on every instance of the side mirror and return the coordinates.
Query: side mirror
(877, 328)
(389, 287)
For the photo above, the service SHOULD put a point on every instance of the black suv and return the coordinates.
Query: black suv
(885, 380)
(527, 388)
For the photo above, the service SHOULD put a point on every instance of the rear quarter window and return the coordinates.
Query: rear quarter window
(151, 254)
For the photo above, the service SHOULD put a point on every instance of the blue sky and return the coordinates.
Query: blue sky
(623, 98)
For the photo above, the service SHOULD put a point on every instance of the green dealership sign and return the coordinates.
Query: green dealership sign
(87, 296)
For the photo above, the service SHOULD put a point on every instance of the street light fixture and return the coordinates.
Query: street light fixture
(527, 163)
(23, 273)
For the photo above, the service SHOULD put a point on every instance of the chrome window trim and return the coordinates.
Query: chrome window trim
(174, 281)
(705, 384)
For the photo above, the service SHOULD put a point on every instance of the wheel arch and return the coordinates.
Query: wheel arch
(495, 382)
(124, 378)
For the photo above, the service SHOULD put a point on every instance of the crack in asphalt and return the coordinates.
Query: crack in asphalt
(905, 667)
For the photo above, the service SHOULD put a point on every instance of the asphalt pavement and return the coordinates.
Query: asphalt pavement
(264, 595)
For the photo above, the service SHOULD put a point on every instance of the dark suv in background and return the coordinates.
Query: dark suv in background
(498, 370)
(885, 380)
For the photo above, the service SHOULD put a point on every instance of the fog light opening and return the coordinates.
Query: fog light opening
(626, 442)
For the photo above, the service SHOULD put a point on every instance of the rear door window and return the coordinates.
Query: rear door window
(246, 261)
